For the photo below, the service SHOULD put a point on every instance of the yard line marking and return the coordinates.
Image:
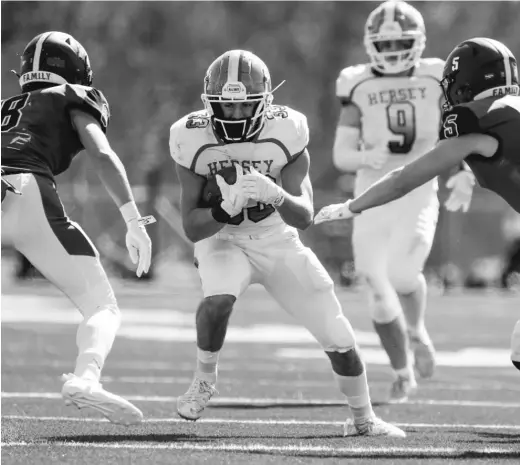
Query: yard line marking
(272, 402)
(259, 448)
(260, 422)
(432, 386)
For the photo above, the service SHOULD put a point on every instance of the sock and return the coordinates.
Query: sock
(406, 372)
(207, 365)
(94, 339)
(355, 388)
(88, 366)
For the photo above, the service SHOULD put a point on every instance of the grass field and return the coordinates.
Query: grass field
(277, 402)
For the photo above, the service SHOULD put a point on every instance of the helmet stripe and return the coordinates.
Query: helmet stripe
(506, 54)
(38, 50)
(388, 13)
(233, 66)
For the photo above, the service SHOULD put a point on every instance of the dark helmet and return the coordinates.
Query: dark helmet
(479, 68)
(237, 76)
(54, 58)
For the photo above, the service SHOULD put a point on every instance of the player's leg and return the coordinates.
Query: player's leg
(370, 244)
(62, 252)
(225, 273)
(410, 246)
(302, 286)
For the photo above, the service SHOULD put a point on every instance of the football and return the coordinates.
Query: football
(211, 195)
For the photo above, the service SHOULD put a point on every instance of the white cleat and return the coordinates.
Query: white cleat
(401, 389)
(372, 427)
(424, 355)
(191, 405)
(84, 393)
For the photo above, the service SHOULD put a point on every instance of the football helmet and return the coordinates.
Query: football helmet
(54, 58)
(237, 76)
(394, 21)
(479, 68)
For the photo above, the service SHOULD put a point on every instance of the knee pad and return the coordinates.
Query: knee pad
(97, 300)
(405, 280)
(383, 302)
(346, 363)
(217, 306)
(339, 336)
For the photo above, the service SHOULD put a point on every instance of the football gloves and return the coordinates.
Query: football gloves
(234, 198)
(461, 184)
(139, 244)
(336, 211)
(260, 188)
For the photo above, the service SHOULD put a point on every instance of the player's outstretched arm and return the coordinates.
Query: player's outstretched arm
(112, 173)
(447, 154)
(198, 223)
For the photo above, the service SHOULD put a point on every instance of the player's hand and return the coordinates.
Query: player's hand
(336, 211)
(260, 188)
(234, 198)
(139, 246)
(375, 158)
(461, 184)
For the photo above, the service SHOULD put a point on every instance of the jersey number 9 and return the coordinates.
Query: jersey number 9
(401, 122)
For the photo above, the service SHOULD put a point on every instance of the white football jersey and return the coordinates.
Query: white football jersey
(399, 115)
(285, 135)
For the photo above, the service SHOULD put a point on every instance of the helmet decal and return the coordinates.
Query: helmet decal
(54, 58)
(479, 68)
(237, 76)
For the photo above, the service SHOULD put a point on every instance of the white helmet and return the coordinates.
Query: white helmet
(394, 20)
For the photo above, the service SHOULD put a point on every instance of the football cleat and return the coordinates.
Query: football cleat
(84, 393)
(424, 355)
(191, 405)
(372, 427)
(402, 388)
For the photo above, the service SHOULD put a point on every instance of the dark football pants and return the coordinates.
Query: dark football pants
(36, 225)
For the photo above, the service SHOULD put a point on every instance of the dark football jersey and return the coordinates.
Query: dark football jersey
(37, 131)
(499, 118)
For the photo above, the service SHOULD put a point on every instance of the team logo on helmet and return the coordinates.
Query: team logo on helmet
(479, 68)
(54, 58)
(238, 76)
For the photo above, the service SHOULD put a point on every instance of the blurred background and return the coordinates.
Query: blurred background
(149, 59)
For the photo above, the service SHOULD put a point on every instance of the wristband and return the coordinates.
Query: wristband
(129, 211)
(220, 215)
(279, 199)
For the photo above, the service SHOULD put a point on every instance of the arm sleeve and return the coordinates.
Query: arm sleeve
(89, 100)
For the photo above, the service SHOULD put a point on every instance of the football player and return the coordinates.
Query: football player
(58, 114)
(480, 126)
(251, 235)
(390, 115)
